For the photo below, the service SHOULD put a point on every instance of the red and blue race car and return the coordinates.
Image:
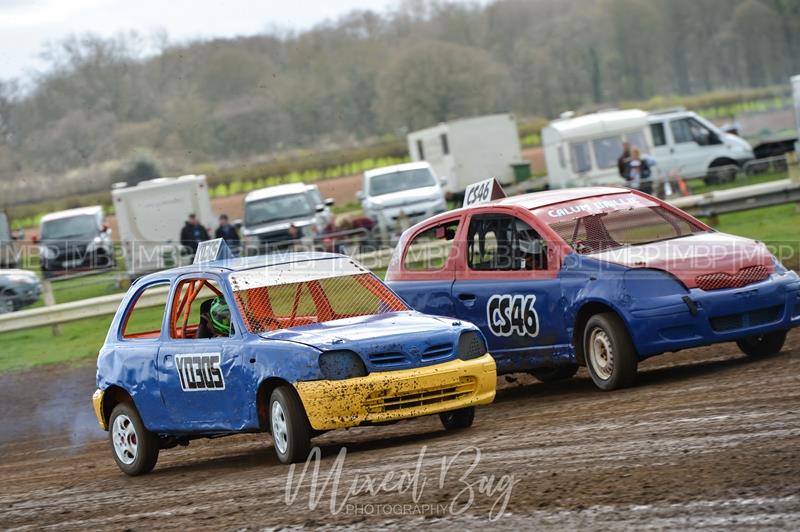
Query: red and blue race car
(602, 277)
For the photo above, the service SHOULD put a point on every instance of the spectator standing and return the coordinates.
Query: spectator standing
(624, 158)
(637, 171)
(193, 233)
(228, 232)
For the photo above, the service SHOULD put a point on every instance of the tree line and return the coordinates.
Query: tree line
(372, 76)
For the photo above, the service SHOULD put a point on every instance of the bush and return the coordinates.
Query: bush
(137, 168)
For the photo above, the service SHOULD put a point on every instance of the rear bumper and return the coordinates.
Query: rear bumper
(720, 316)
(394, 395)
(97, 403)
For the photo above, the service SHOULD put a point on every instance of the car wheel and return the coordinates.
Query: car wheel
(555, 373)
(291, 431)
(762, 344)
(135, 448)
(7, 305)
(458, 419)
(610, 355)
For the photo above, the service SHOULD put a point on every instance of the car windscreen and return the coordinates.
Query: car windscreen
(603, 223)
(71, 227)
(298, 294)
(399, 181)
(277, 208)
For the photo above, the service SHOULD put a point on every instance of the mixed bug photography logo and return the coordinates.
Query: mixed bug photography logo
(441, 487)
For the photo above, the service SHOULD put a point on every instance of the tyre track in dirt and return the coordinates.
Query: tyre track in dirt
(708, 438)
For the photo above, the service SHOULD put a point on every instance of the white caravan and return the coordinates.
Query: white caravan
(150, 216)
(469, 150)
(584, 150)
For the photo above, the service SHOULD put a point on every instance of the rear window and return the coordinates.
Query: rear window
(429, 250)
(608, 222)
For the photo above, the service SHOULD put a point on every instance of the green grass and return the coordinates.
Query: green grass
(699, 187)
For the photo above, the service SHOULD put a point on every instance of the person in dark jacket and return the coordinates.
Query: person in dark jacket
(624, 158)
(637, 172)
(227, 232)
(193, 233)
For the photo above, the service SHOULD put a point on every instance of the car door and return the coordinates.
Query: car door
(201, 377)
(508, 286)
(687, 152)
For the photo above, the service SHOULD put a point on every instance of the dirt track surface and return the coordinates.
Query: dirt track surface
(707, 439)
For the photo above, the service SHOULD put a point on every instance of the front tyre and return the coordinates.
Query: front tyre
(458, 419)
(135, 448)
(610, 355)
(762, 344)
(291, 431)
(556, 373)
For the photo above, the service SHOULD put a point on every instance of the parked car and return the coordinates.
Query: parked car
(269, 213)
(75, 240)
(294, 344)
(411, 191)
(18, 289)
(603, 277)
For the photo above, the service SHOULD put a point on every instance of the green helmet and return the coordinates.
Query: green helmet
(220, 316)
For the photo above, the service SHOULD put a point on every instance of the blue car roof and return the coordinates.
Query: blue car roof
(242, 263)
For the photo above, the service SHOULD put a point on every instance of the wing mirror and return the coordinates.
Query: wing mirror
(360, 195)
(329, 202)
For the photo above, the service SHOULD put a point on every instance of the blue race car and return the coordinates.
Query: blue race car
(602, 277)
(293, 344)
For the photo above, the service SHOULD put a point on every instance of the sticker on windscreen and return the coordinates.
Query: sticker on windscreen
(512, 314)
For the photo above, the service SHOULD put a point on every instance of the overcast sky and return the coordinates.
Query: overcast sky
(26, 25)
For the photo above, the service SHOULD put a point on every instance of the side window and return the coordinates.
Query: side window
(420, 150)
(700, 133)
(504, 243)
(581, 159)
(606, 151)
(428, 251)
(445, 145)
(199, 311)
(680, 130)
(146, 315)
(659, 136)
(316, 199)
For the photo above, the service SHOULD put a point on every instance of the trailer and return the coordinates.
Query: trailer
(150, 216)
(469, 150)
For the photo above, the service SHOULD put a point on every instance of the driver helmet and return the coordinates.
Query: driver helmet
(220, 315)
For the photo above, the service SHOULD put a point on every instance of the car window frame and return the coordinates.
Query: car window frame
(224, 287)
(131, 306)
(555, 247)
(448, 268)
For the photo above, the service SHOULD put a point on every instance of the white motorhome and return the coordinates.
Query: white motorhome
(584, 150)
(150, 216)
(688, 145)
(469, 150)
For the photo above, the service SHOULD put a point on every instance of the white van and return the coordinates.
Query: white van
(690, 146)
(584, 150)
(409, 190)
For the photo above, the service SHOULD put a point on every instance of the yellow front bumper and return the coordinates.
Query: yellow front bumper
(97, 403)
(402, 394)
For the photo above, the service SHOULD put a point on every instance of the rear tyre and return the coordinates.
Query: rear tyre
(291, 431)
(762, 344)
(135, 449)
(458, 419)
(610, 355)
(556, 373)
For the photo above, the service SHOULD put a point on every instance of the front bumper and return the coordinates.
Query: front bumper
(402, 394)
(719, 316)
